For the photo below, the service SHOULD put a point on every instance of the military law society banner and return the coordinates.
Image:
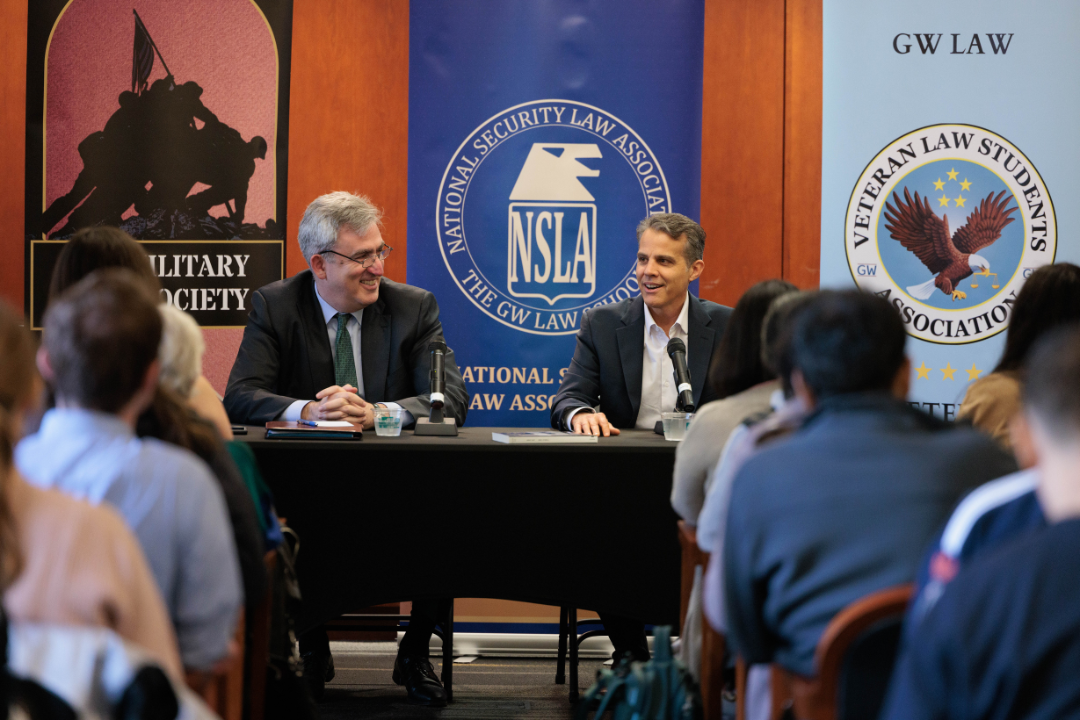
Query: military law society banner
(170, 121)
(947, 168)
(540, 135)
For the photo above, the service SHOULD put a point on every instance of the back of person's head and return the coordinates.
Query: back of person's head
(181, 351)
(96, 248)
(847, 342)
(1049, 299)
(18, 382)
(100, 338)
(738, 364)
(776, 330)
(1051, 391)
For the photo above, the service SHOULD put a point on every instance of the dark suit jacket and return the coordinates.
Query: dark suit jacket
(606, 369)
(285, 355)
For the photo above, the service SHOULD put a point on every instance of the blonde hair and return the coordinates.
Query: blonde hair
(181, 350)
(17, 374)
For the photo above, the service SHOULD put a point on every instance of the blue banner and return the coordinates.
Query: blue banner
(540, 134)
(943, 155)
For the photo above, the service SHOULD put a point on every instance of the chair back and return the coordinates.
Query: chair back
(855, 659)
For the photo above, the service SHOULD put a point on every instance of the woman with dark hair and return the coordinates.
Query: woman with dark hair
(64, 561)
(746, 387)
(171, 417)
(1049, 299)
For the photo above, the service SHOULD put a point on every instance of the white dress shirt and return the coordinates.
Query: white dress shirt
(658, 390)
(354, 325)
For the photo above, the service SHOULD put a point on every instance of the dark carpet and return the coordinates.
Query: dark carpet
(485, 689)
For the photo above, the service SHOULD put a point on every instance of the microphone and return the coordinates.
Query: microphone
(438, 350)
(676, 350)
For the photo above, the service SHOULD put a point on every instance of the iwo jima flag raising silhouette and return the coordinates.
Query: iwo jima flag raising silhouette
(150, 155)
(186, 151)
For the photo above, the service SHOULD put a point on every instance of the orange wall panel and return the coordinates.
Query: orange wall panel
(802, 143)
(13, 148)
(742, 152)
(349, 112)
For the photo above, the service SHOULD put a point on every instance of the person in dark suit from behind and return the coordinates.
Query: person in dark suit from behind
(1003, 638)
(621, 375)
(331, 343)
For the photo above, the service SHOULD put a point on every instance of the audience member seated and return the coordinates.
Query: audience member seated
(99, 247)
(65, 561)
(844, 506)
(171, 419)
(181, 353)
(1004, 638)
(99, 354)
(745, 387)
(185, 395)
(1050, 298)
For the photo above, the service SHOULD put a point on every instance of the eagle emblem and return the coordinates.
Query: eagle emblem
(951, 257)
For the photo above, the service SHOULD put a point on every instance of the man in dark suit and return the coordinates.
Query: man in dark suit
(621, 375)
(332, 343)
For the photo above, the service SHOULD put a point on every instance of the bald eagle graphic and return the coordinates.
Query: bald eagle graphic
(951, 257)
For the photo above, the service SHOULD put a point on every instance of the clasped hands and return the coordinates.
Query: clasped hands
(340, 402)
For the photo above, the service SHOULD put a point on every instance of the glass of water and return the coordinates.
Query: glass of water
(388, 421)
(675, 425)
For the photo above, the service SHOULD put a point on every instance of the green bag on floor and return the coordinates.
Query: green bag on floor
(660, 689)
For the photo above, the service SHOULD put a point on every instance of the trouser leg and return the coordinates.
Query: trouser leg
(315, 640)
(626, 635)
(426, 614)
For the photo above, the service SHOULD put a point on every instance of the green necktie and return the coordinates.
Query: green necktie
(344, 364)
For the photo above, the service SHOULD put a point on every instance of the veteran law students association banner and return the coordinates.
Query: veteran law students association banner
(540, 134)
(948, 169)
(169, 120)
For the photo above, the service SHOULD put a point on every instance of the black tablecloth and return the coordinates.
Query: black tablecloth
(391, 519)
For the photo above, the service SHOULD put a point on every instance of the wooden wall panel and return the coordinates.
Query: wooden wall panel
(802, 143)
(742, 153)
(12, 148)
(349, 116)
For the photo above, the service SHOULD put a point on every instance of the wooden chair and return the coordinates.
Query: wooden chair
(222, 688)
(712, 642)
(863, 637)
(258, 657)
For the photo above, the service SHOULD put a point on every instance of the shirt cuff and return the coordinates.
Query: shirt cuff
(406, 416)
(293, 412)
(569, 418)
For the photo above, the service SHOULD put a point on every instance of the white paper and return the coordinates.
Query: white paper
(333, 423)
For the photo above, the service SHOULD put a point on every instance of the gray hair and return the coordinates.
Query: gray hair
(675, 226)
(181, 350)
(327, 214)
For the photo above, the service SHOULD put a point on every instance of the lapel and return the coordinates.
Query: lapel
(316, 341)
(699, 345)
(631, 337)
(375, 348)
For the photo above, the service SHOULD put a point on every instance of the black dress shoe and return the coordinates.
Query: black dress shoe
(318, 670)
(419, 678)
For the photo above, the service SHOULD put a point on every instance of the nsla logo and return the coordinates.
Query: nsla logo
(537, 211)
(947, 222)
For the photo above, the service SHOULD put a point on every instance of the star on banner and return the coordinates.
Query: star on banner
(966, 185)
(943, 201)
(952, 174)
(939, 184)
(973, 373)
(922, 373)
(947, 372)
(960, 201)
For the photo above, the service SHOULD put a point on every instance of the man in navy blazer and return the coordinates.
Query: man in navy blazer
(621, 375)
(331, 343)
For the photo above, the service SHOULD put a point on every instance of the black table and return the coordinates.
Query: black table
(390, 519)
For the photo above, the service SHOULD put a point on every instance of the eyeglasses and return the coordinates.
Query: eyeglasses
(366, 261)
